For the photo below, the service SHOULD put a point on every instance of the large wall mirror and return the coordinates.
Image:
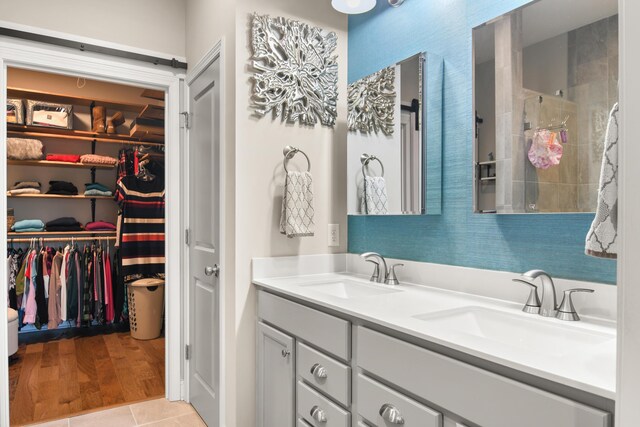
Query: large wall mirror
(394, 144)
(545, 80)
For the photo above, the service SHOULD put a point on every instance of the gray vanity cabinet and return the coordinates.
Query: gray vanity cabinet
(276, 378)
(315, 388)
(307, 378)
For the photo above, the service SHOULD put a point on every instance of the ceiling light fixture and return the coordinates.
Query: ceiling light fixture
(353, 7)
(395, 3)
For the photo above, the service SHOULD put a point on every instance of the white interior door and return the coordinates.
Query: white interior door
(204, 244)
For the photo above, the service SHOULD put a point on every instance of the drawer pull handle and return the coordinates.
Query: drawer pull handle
(318, 414)
(285, 353)
(319, 371)
(391, 414)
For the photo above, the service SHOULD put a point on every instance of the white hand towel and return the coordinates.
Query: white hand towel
(602, 237)
(296, 218)
(374, 197)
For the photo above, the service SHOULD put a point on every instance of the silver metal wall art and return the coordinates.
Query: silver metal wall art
(371, 102)
(295, 71)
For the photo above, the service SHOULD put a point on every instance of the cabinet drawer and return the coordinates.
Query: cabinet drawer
(332, 414)
(324, 373)
(302, 423)
(324, 331)
(374, 397)
(477, 395)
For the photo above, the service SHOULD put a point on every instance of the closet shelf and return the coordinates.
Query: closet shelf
(60, 233)
(57, 196)
(75, 135)
(47, 163)
(14, 92)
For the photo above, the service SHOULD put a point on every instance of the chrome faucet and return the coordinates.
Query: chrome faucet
(389, 274)
(547, 305)
(376, 276)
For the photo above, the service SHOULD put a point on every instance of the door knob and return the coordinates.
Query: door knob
(215, 270)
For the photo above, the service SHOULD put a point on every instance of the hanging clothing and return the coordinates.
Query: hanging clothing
(141, 235)
(55, 287)
(42, 309)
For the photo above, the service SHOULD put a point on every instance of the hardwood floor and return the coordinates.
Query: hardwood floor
(69, 376)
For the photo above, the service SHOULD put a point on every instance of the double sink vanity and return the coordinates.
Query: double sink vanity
(335, 349)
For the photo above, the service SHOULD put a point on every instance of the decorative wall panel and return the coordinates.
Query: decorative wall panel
(295, 71)
(371, 102)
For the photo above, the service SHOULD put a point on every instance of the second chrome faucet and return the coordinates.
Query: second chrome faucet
(547, 305)
(389, 274)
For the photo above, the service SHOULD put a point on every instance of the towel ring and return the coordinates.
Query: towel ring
(365, 159)
(289, 152)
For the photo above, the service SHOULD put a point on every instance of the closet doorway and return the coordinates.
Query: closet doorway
(85, 220)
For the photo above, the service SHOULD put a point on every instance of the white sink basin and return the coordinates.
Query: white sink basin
(349, 289)
(522, 331)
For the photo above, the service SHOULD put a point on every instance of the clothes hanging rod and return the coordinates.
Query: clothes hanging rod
(59, 239)
(87, 47)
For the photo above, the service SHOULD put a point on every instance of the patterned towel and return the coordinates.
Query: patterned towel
(374, 198)
(296, 218)
(602, 237)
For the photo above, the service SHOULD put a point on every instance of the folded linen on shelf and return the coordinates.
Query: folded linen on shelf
(24, 149)
(25, 184)
(19, 191)
(65, 228)
(62, 188)
(65, 220)
(28, 225)
(64, 224)
(100, 226)
(68, 158)
(96, 186)
(98, 193)
(96, 159)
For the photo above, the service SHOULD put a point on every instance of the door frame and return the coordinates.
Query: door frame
(41, 57)
(216, 53)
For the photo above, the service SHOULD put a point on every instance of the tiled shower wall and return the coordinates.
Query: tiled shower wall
(593, 85)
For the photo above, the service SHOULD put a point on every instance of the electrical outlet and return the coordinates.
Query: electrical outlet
(334, 234)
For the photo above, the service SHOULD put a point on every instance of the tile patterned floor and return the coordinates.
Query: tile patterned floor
(153, 413)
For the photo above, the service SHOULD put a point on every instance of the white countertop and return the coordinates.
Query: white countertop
(408, 311)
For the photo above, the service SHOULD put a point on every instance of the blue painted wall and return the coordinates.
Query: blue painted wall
(554, 243)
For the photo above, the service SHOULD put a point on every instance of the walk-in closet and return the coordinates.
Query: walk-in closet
(86, 244)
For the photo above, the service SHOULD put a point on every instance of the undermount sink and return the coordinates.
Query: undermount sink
(522, 331)
(349, 289)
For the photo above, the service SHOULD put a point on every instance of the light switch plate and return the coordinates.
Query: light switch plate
(333, 235)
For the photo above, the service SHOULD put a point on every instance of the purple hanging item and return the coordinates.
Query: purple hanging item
(564, 136)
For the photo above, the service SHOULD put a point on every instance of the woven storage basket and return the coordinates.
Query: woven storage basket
(11, 219)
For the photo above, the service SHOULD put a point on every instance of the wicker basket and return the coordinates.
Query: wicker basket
(11, 219)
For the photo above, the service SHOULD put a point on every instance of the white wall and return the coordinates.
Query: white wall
(627, 408)
(156, 25)
(259, 179)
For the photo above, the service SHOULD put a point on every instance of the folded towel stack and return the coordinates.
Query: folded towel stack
(64, 224)
(27, 225)
(68, 158)
(24, 187)
(62, 188)
(95, 159)
(100, 226)
(97, 189)
(24, 149)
